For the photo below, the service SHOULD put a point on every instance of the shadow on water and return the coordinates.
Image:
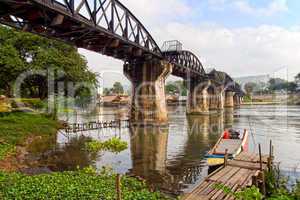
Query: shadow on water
(46, 153)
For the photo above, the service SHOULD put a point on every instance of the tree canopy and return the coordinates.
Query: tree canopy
(118, 88)
(297, 78)
(176, 87)
(21, 52)
(250, 87)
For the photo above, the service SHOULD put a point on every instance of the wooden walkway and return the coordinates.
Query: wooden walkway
(80, 127)
(245, 170)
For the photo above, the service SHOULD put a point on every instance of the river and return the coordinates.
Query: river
(172, 159)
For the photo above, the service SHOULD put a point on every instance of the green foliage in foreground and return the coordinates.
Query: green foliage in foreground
(114, 145)
(252, 193)
(277, 189)
(15, 127)
(84, 184)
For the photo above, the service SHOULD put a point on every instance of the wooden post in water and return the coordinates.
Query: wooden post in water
(270, 159)
(260, 157)
(118, 187)
(226, 158)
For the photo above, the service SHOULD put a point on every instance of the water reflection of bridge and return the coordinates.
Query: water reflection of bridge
(151, 161)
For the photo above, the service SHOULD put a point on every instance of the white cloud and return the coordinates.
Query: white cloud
(238, 51)
(274, 7)
(153, 12)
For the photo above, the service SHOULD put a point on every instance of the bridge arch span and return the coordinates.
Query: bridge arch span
(185, 62)
(103, 26)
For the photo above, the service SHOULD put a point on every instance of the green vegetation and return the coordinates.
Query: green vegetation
(117, 89)
(176, 87)
(22, 52)
(33, 103)
(273, 85)
(251, 193)
(276, 186)
(15, 127)
(114, 145)
(83, 184)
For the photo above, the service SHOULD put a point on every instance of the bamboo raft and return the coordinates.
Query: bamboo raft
(95, 125)
(245, 170)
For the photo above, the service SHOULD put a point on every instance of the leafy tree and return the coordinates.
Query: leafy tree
(292, 86)
(280, 84)
(249, 87)
(118, 88)
(106, 91)
(21, 52)
(176, 87)
(171, 88)
(297, 78)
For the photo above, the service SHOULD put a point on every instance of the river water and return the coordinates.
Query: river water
(172, 159)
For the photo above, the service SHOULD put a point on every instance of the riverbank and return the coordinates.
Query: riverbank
(18, 129)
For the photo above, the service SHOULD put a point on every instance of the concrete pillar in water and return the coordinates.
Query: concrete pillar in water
(212, 99)
(148, 101)
(216, 99)
(198, 99)
(149, 151)
(229, 101)
(228, 118)
(237, 100)
(216, 123)
(220, 99)
(198, 125)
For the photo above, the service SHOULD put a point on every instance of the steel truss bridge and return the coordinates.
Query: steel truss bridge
(103, 26)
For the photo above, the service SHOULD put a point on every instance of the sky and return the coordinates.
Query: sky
(240, 37)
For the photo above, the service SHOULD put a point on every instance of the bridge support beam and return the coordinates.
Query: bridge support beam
(237, 100)
(229, 101)
(198, 98)
(216, 100)
(148, 102)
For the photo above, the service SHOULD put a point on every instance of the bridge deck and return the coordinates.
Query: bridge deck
(238, 174)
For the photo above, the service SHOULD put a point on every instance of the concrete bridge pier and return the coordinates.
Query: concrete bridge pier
(220, 100)
(216, 100)
(198, 98)
(237, 100)
(148, 102)
(229, 100)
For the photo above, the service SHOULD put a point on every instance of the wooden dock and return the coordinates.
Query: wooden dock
(245, 170)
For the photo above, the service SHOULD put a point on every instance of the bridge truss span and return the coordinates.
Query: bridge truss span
(185, 63)
(103, 26)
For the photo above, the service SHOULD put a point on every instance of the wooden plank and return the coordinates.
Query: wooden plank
(236, 176)
(220, 173)
(246, 165)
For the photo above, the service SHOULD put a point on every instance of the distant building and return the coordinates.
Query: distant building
(115, 100)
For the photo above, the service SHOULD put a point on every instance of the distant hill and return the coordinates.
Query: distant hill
(256, 79)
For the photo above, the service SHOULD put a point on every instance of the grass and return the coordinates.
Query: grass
(84, 184)
(16, 127)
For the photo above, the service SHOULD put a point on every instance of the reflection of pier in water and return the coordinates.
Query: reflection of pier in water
(149, 153)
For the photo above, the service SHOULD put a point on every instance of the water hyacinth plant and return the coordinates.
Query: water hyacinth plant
(114, 145)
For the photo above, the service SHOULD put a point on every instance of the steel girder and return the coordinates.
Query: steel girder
(185, 63)
(103, 26)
